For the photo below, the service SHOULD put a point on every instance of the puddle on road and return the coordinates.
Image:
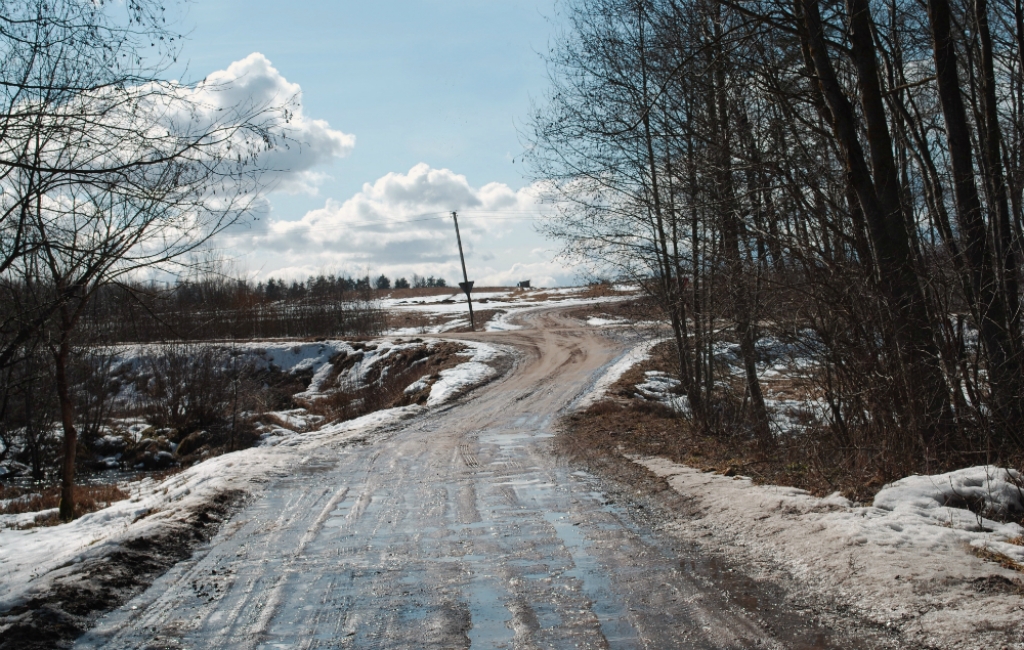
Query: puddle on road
(489, 616)
(610, 610)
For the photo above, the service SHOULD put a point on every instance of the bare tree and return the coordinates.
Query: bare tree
(106, 172)
(850, 169)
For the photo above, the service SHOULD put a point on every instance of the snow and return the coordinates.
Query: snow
(500, 323)
(637, 354)
(606, 322)
(31, 558)
(455, 380)
(903, 561)
(349, 429)
(508, 303)
(439, 300)
(940, 502)
(296, 419)
(418, 385)
(659, 387)
(292, 357)
(12, 468)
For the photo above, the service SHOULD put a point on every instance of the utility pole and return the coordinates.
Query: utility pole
(465, 285)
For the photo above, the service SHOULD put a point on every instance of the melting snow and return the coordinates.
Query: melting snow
(637, 354)
(903, 560)
(31, 558)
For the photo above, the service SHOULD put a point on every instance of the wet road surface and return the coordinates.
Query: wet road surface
(458, 529)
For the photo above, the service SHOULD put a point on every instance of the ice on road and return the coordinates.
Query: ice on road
(458, 529)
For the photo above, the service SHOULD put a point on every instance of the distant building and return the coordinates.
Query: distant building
(525, 284)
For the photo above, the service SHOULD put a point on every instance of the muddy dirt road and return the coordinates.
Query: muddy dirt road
(457, 529)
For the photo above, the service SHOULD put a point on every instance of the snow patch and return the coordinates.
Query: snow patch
(900, 562)
(660, 387)
(418, 385)
(637, 354)
(606, 322)
(453, 381)
(500, 323)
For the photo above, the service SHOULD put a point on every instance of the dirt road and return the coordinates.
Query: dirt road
(458, 529)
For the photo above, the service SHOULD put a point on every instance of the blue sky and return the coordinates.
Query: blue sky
(432, 91)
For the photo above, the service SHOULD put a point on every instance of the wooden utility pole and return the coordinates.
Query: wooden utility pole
(465, 285)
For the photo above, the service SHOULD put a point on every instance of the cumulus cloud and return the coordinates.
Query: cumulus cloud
(400, 225)
(253, 86)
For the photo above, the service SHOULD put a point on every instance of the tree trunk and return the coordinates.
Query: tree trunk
(1004, 379)
(741, 303)
(61, 357)
(880, 204)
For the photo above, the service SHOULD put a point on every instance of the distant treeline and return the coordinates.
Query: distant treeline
(208, 307)
(340, 286)
(218, 307)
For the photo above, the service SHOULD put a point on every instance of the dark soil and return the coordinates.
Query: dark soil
(88, 498)
(54, 619)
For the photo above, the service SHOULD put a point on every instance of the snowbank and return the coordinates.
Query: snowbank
(954, 504)
(31, 559)
(454, 381)
(660, 387)
(637, 354)
(902, 562)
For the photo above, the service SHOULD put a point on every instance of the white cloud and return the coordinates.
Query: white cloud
(400, 225)
(254, 86)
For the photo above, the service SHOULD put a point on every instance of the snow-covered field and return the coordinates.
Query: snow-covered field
(31, 559)
(450, 311)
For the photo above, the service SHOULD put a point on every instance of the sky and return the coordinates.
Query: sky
(409, 109)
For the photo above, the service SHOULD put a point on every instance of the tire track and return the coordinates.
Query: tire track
(457, 529)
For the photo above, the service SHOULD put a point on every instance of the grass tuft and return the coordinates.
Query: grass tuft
(1004, 561)
(89, 498)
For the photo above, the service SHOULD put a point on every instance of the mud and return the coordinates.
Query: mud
(463, 528)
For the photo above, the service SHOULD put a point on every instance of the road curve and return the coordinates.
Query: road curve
(458, 529)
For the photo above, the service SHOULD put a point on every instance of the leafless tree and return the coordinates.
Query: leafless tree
(848, 169)
(106, 170)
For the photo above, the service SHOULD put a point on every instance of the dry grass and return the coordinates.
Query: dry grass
(812, 459)
(627, 424)
(649, 429)
(480, 317)
(424, 322)
(1002, 560)
(636, 310)
(541, 294)
(88, 498)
